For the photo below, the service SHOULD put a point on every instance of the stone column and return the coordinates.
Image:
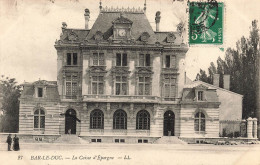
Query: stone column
(249, 127)
(255, 127)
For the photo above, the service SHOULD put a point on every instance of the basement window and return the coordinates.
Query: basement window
(119, 140)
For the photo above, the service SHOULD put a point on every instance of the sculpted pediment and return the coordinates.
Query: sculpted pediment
(98, 36)
(97, 69)
(170, 38)
(120, 70)
(144, 70)
(72, 36)
(201, 87)
(145, 36)
(122, 19)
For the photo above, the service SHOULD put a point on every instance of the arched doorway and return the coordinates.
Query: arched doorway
(168, 123)
(70, 121)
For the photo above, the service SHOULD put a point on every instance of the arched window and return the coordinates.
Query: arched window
(199, 122)
(120, 120)
(143, 120)
(39, 119)
(97, 119)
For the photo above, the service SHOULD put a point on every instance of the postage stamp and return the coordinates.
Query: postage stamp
(206, 23)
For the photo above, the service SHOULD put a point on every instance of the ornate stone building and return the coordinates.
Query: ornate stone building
(119, 81)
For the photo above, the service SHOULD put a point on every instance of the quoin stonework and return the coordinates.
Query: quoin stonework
(121, 81)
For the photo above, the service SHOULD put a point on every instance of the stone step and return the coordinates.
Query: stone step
(71, 139)
(169, 140)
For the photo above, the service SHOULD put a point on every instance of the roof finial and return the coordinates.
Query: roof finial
(100, 5)
(145, 6)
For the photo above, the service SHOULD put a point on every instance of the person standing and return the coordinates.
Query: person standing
(9, 142)
(16, 146)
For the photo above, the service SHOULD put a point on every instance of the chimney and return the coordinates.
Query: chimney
(226, 80)
(157, 20)
(216, 80)
(86, 18)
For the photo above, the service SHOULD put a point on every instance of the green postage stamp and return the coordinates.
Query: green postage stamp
(206, 23)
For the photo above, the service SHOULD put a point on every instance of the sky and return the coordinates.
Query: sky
(29, 29)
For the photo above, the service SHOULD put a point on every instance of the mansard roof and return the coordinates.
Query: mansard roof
(189, 95)
(50, 94)
(104, 25)
(209, 86)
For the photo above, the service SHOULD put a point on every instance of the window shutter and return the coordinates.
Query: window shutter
(173, 61)
(141, 60)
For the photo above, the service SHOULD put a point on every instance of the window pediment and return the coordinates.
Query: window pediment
(120, 70)
(122, 20)
(201, 87)
(98, 69)
(144, 70)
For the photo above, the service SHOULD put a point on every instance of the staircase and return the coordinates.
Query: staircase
(70, 139)
(169, 140)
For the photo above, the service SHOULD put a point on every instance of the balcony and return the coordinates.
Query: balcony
(170, 70)
(70, 98)
(120, 98)
(72, 68)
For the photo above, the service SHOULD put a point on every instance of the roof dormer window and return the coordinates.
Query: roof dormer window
(40, 92)
(122, 28)
(200, 96)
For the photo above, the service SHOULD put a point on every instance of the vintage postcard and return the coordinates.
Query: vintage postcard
(129, 82)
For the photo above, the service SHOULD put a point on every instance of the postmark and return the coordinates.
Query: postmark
(206, 23)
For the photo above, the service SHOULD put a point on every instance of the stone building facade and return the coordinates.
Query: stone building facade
(119, 81)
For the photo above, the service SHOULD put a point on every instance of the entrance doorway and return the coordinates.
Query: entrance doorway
(168, 123)
(70, 122)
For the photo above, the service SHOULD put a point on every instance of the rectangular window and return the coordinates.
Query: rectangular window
(169, 87)
(121, 59)
(140, 141)
(71, 86)
(170, 61)
(116, 140)
(144, 86)
(200, 95)
(121, 85)
(72, 59)
(68, 58)
(98, 59)
(145, 141)
(167, 61)
(144, 60)
(97, 85)
(40, 92)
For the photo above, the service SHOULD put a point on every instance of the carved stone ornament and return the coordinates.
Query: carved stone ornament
(122, 20)
(72, 36)
(98, 36)
(171, 38)
(145, 36)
